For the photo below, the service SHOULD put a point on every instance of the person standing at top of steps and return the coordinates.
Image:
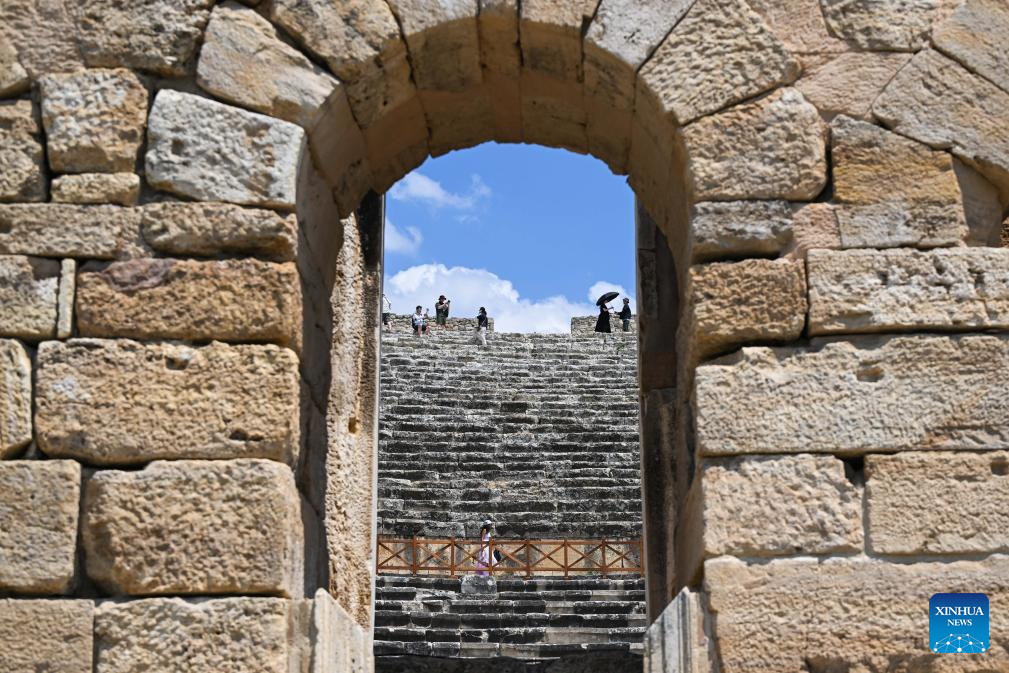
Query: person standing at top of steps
(481, 327)
(441, 311)
(625, 314)
(603, 322)
(386, 312)
(483, 559)
(419, 322)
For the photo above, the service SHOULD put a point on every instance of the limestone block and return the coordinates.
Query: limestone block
(194, 527)
(230, 300)
(553, 112)
(936, 101)
(728, 229)
(848, 83)
(921, 392)
(500, 56)
(207, 229)
(46, 635)
(982, 206)
(15, 397)
(897, 290)
(773, 148)
(244, 61)
(780, 505)
(458, 120)
(721, 53)
(28, 287)
(214, 152)
(58, 230)
(339, 152)
(814, 226)
(755, 300)
(38, 504)
(65, 299)
(676, 641)
(340, 644)
(976, 35)
(551, 36)
(160, 36)
(122, 402)
(854, 614)
(119, 188)
(800, 26)
(21, 154)
(903, 489)
(360, 42)
(94, 120)
(170, 635)
(13, 77)
(443, 40)
(895, 26)
(893, 191)
(44, 35)
(397, 143)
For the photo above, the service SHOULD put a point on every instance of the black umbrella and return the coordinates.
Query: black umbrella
(607, 298)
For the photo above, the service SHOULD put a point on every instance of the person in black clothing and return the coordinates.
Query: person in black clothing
(603, 322)
(441, 311)
(625, 314)
(481, 327)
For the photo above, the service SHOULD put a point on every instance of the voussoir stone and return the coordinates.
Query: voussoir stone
(244, 61)
(551, 36)
(194, 527)
(15, 397)
(755, 300)
(215, 152)
(870, 24)
(821, 598)
(21, 155)
(848, 83)
(443, 41)
(121, 189)
(720, 53)
(229, 300)
(206, 229)
(38, 504)
(170, 635)
(61, 230)
(772, 148)
(922, 392)
(94, 120)
(896, 290)
(780, 505)
(54, 636)
(728, 229)
(159, 36)
(891, 191)
(123, 402)
(28, 289)
(976, 35)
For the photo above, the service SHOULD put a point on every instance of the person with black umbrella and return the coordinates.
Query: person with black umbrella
(603, 322)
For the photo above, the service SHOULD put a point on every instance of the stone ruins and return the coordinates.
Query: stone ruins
(191, 264)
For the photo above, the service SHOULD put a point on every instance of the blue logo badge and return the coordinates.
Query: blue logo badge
(958, 623)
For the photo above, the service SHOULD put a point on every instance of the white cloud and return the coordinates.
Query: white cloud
(601, 287)
(420, 188)
(403, 241)
(469, 289)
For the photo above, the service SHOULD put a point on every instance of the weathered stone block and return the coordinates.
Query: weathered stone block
(118, 188)
(160, 36)
(15, 397)
(893, 191)
(903, 489)
(21, 155)
(780, 505)
(28, 287)
(122, 402)
(339, 643)
(57, 230)
(721, 53)
(773, 148)
(822, 598)
(443, 42)
(848, 83)
(975, 35)
(206, 229)
(38, 505)
(728, 229)
(46, 635)
(676, 642)
(756, 300)
(500, 57)
(13, 77)
(895, 290)
(170, 635)
(214, 152)
(902, 26)
(551, 36)
(814, 226)
(921, 392)
(230, 300)
(194, 527)
(43, 34)
(244, 61)
(800, 26)
(94, 120)
(65, 299)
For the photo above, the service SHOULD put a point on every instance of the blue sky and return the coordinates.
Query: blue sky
(534, 234)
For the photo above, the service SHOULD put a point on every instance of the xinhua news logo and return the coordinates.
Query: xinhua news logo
(958, 623)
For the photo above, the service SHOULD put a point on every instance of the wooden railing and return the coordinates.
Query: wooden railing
(451, 556)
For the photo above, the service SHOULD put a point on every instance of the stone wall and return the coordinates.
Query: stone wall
(403, 323)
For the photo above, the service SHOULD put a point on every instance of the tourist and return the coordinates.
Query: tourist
(419, 322)
(386, 312)
(625, 314)
(484, 555)
(441, 311)
(481, 327)
(603, 322)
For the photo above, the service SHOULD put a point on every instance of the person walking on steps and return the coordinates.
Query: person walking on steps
(419, 322)
(603, 322)
(441, 311)
(483, 559)
(625, 314)
(386, 313)
(481, 327)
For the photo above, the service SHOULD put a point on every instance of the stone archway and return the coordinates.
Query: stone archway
(783, 152)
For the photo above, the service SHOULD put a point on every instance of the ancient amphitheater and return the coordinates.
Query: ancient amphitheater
(190, 255)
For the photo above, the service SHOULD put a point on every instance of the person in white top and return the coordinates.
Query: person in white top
(484, 556)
